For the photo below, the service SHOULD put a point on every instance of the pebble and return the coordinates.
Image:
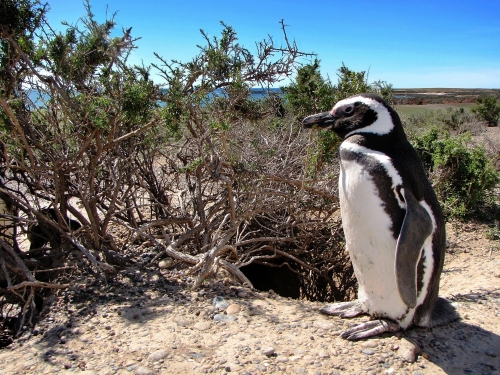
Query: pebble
(323, 355)
(220, 303)
(165, 263)
(224, 318)
(143, 370)
(202, 326)
(181, 321)
(325, 325)
(408, 350)
(367, 351)
(233, 309)
(156, 356)
(370, 344)
(268, 351)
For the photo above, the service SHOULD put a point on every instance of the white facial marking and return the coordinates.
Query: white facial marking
(383, 124)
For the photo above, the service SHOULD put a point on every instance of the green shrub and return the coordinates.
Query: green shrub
(310, 92)
(488, 109)
(455, 118)
(463, 177)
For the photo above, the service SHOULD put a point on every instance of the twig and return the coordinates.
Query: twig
(5, 272)
(18, 260)
(38, 284)
(101, 266)
(236, 271)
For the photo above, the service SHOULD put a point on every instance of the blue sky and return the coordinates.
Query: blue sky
(411, 44)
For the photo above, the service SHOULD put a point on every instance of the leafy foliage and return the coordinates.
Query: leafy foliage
(310, 92)
(463, 176)
(488, 109)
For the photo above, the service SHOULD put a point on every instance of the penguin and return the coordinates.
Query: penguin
(392, 221)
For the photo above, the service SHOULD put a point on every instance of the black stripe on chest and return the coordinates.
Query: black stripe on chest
(383, 183)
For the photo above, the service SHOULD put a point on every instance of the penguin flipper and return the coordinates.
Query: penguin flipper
(371, 328)
(417, 227)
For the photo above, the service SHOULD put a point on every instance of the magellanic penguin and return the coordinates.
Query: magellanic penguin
(392, 221)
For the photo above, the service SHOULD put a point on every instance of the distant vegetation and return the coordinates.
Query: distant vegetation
(104, 158)
(488, 109)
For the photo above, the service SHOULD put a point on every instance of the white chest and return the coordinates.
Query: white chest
(369, 240)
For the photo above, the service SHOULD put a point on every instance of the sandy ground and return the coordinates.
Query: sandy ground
(148, 322)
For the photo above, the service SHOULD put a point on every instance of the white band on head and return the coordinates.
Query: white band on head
(383, 124)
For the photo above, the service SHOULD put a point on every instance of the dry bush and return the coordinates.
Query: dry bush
(247, 200)
(96, 157)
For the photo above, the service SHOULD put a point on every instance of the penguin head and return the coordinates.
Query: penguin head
(358, 114)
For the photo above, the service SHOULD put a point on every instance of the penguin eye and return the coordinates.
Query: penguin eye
(349, 109)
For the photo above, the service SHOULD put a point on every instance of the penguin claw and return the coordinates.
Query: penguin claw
(343, 309)
(368, 329)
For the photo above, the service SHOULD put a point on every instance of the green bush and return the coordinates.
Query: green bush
(455, 119)
(488, 109)
(463, 176)
(310, 92)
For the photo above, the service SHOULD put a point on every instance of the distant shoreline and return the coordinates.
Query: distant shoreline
(423, 96)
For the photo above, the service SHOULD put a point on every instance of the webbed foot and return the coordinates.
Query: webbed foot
(371, 328)
(343, 309)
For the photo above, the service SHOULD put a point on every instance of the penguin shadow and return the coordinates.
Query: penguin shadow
(460, 348)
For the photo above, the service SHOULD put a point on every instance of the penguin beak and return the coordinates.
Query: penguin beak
(319, 120)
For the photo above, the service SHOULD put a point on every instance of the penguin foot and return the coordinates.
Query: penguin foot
(343, 309)
(371, 328)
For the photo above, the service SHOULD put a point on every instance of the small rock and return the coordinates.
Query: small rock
(370, 344)
(327, 326)
(196, 355)
(181, 321)
(268, 351)
(255, 311)
(367, 351)
(260, 367)
(323, 355)
(233, 309)
(202, 326)
(220, 303)
(224, 318)
(131, 367)
(408, 350)
(142, 370)
(490, 353)
(165, 263)
(156, 356)
(242, 294)
(29, 363)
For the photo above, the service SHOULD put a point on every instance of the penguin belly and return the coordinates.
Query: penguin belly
(370, 243)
